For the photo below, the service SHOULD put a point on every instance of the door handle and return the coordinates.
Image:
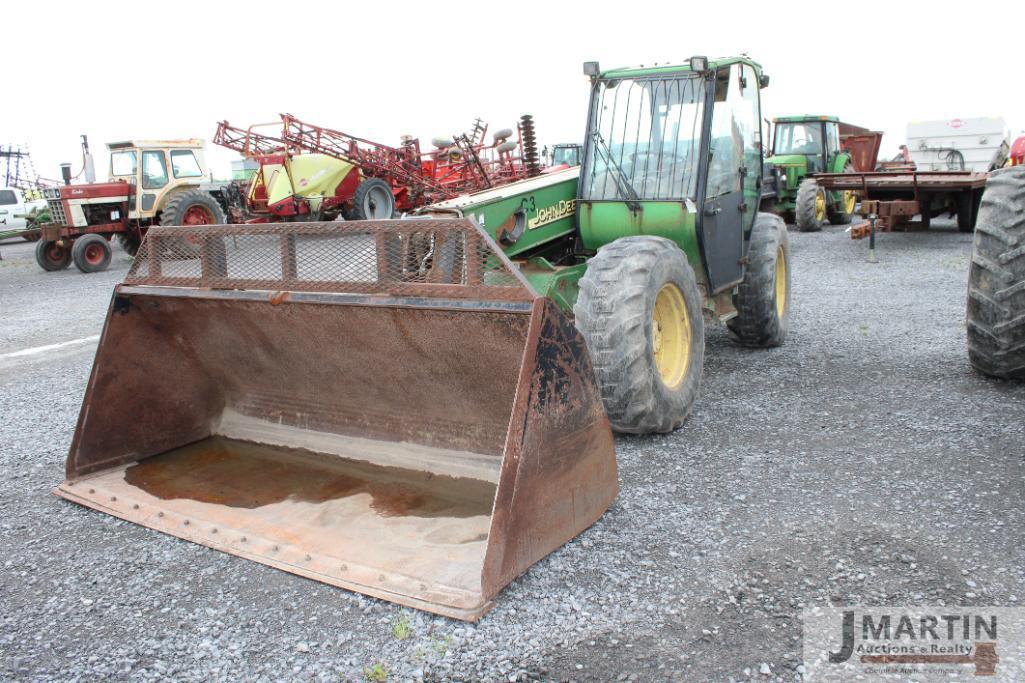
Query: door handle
(712, 209)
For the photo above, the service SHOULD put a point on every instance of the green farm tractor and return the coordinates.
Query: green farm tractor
(802, 146)
(657, 230)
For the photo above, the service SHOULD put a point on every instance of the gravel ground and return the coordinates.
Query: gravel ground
(862, 463)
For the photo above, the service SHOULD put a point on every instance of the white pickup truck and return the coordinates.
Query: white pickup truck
(13, 207)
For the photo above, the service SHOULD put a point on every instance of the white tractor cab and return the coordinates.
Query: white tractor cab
(157, 168)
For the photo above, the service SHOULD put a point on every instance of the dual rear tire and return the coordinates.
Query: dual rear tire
(641, 312)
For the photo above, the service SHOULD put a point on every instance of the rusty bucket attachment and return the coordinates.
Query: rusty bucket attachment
(385, 406)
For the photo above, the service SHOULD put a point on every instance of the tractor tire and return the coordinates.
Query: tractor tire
(51, 256)
(842, 217)
(996, 278)
(640, 311)
(967, 210)
(808, 215)
(763, 298)
(91, 254)
(130, 242)
(372, 200)
(189, 207)
(192, 207)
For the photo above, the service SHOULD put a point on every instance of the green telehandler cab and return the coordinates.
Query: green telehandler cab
(802, 146)
(420, 409)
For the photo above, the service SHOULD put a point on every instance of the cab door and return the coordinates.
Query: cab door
(152, 181)
(732, 177)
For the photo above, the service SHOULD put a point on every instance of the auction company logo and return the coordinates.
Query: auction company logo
(921, 643)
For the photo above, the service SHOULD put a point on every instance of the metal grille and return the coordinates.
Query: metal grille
(449, 258)
(55, 205)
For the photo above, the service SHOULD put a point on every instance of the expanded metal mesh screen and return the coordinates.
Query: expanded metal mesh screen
(426, 257)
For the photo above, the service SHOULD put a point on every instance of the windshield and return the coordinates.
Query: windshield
(566, 155)
(645, 139)
(184, 164)
(799, 138)
(122, 163)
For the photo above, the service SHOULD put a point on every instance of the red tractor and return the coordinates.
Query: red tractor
(152, 182)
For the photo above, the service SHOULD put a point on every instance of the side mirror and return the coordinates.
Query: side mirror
(763, 80)
(591, 69)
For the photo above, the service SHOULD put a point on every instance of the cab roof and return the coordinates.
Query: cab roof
(668, 68)
(191, 143)
(798, 118)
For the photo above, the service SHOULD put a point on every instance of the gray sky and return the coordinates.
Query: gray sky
(141, 69)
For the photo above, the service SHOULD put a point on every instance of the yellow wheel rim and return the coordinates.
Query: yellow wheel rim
(849, 200)
(820, 207)
(781, 283)
(670, 335)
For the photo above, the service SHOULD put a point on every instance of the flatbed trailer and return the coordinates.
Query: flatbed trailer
(896, 196)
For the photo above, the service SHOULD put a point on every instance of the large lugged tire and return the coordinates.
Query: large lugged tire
(996, 278)
(850, 200)
(52, 256)
(810, 208)
(91, 254)
(190, 207)
(763, 298)
(372, 200)
(640, 311)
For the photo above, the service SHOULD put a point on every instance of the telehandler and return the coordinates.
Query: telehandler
(420, 409)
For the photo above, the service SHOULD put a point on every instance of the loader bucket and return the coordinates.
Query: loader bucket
(384, 406)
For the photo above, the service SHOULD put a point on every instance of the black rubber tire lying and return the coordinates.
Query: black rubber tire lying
(614, 312)
(758, 321)
(841, 217)
(364, 201)
(996, 278)
(51, 256)
(91, 254)
(804, 211)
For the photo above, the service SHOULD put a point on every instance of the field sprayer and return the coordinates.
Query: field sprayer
(309, 172)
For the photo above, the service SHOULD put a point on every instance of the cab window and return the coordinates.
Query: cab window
(734, 131)
(832, 137)
(154, 170)
(799, 138)
(184, 164)
(122, 163)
